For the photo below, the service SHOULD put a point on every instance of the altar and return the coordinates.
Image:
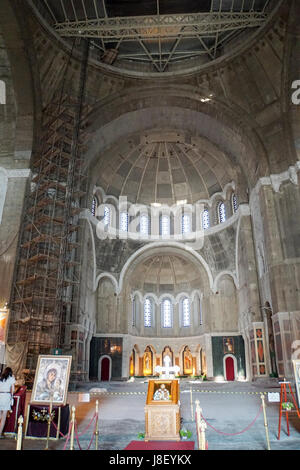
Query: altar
(162, 410)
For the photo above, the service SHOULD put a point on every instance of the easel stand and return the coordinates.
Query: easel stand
(283, 399)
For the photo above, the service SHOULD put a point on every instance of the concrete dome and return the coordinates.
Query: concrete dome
(164, 167)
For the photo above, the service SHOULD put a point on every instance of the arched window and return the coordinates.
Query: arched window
(186, 312)
(165, 225)
(2, 92)
(124, 221)
(185, 223)
(144, 224)
(234, 202)
(205, 219)
(148, 312)
(221, 212)
(166, 313)
(107, 216)
(94, 206)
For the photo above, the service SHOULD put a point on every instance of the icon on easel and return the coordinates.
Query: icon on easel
(286, 406)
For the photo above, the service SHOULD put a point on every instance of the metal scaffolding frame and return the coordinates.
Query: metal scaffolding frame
(46, 289)
(158, 39)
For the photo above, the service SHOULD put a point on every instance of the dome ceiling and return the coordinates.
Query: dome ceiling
(166, 273)
(164, 168)
(155, 36)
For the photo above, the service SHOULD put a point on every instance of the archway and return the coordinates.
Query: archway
(104, 369)
(229, 367)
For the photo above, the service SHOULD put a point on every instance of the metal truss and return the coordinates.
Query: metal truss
(160, 40)
(163, 26)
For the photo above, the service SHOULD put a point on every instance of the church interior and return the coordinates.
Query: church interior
(149, 197)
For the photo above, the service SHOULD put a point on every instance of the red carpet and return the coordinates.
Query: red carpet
(160, 445)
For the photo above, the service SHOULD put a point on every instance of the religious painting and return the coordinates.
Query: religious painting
(51, 380)
(187, 361)
(296, 365)
(228, 346)
(148, 361)
(3, 324)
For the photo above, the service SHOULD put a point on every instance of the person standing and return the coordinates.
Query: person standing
(7, 386)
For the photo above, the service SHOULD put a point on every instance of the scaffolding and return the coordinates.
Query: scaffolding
(46, 290)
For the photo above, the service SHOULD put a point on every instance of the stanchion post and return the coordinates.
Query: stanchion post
(202, 435)
(197, 415)
(20, 433)
(200, 427)
(73, 428)
(265, 421)
(192, 411)
(49, 425)
(97, 427)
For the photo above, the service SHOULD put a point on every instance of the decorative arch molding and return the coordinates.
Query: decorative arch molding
(151, 248)
(103, 197)
(157, 299)
(223, 195)
(109, 276)
(219, 277)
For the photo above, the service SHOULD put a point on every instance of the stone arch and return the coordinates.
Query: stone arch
(219, 277)
(175, 248)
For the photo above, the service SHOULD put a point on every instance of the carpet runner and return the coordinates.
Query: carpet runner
(160, 445)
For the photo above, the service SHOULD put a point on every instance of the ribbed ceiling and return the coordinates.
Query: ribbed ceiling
(165, 172)
(166, 273)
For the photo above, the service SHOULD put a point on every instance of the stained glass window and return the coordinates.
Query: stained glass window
(147, 312)
(234, 203)
(185, 223)
(144, 224)
(186, 313)
(221, 212)
(106, 218)
(165, 225)
(166, 313)
(94, 206)
(124, 221)
(205, 219)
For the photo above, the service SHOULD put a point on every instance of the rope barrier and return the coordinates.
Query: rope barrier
(73, 422)
(235, 433)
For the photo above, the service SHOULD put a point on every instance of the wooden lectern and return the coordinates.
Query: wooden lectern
(162, 411)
